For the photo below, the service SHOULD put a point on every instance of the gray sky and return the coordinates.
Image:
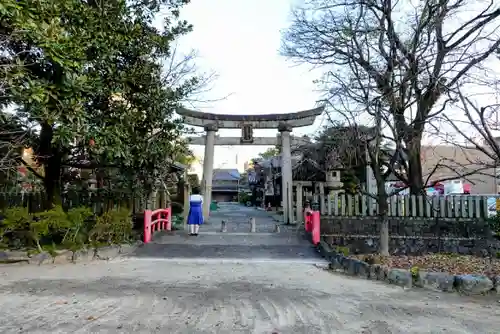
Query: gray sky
(239, 40)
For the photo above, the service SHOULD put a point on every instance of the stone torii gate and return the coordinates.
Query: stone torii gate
(284, 123)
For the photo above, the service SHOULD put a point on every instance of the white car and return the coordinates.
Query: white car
(492, 210)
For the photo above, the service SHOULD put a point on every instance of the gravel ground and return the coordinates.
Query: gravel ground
(455, 264)
(232, 283)
(215, 296)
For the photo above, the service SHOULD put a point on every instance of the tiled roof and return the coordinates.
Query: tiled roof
(225, 187)
(226, 175)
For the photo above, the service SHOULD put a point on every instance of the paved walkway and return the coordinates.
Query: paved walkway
(269, 291)
(237, 243)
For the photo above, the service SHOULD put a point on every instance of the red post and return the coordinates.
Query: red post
(308, 222)
(169, 217)
(147, 226)
(315, 227)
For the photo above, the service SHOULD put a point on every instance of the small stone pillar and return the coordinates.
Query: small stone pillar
(298, 202)
(223, 226)
(252, 225)
(151, 202)
(277, 228)
(322, 207)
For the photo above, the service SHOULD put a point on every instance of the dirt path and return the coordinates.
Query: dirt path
(236, 282)
(213, 296)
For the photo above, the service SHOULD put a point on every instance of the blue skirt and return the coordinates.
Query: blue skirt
(195, 216)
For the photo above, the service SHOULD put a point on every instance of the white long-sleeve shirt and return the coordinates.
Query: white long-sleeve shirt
(196, 198)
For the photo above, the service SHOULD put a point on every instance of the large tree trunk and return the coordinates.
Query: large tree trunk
(384, 236)
(383, 209)
(52, 163)
(52, 181)
(415, 177)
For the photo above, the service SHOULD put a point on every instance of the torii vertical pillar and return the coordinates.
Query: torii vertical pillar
(286, 173)
(208, 168)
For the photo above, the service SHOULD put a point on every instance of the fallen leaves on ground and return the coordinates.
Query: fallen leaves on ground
(451, 263)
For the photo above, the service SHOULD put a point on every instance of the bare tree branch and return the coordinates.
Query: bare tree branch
(414, 56)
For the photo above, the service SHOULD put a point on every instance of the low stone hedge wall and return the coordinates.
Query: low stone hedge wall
(411, 236)
(67, 256)
(438, 281)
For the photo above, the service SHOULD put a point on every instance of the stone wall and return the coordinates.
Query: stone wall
(410, 236)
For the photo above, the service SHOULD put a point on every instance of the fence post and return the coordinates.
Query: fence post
(169, 218)
(315, 227)
(147, 226)
(329, 204)
(484, 205)
(308, 220)
(322, 207)
(163, 215)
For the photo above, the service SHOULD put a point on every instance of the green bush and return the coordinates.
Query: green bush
(494, 223)
(342, 250)
(19, 228)
(113, 227)
(14, 226)
(244, 197)
(415, 274)
(177, 222)
(48, 223)
(51, 229)
(81, 221)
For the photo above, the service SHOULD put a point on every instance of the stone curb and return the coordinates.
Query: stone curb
(436, 281)
(67, 256)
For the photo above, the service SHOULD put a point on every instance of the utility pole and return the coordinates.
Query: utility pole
(238, 190)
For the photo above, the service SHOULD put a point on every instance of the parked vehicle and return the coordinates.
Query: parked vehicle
(492, 210)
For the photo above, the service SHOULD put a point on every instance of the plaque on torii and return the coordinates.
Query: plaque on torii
(246, 134)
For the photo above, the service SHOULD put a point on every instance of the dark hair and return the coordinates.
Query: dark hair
(195, 191)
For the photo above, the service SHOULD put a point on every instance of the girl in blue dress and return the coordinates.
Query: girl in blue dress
(195, 217)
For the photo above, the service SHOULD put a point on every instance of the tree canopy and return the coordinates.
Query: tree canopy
(269, 153)
(90, 77)
(336, 147)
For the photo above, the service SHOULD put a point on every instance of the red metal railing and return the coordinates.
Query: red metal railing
(312, 225)
(157, 220)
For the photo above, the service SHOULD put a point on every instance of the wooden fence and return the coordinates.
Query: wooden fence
(462, 206)
(99, 201)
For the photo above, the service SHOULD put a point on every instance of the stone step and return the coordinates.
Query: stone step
(227, 251)
(237, 233)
